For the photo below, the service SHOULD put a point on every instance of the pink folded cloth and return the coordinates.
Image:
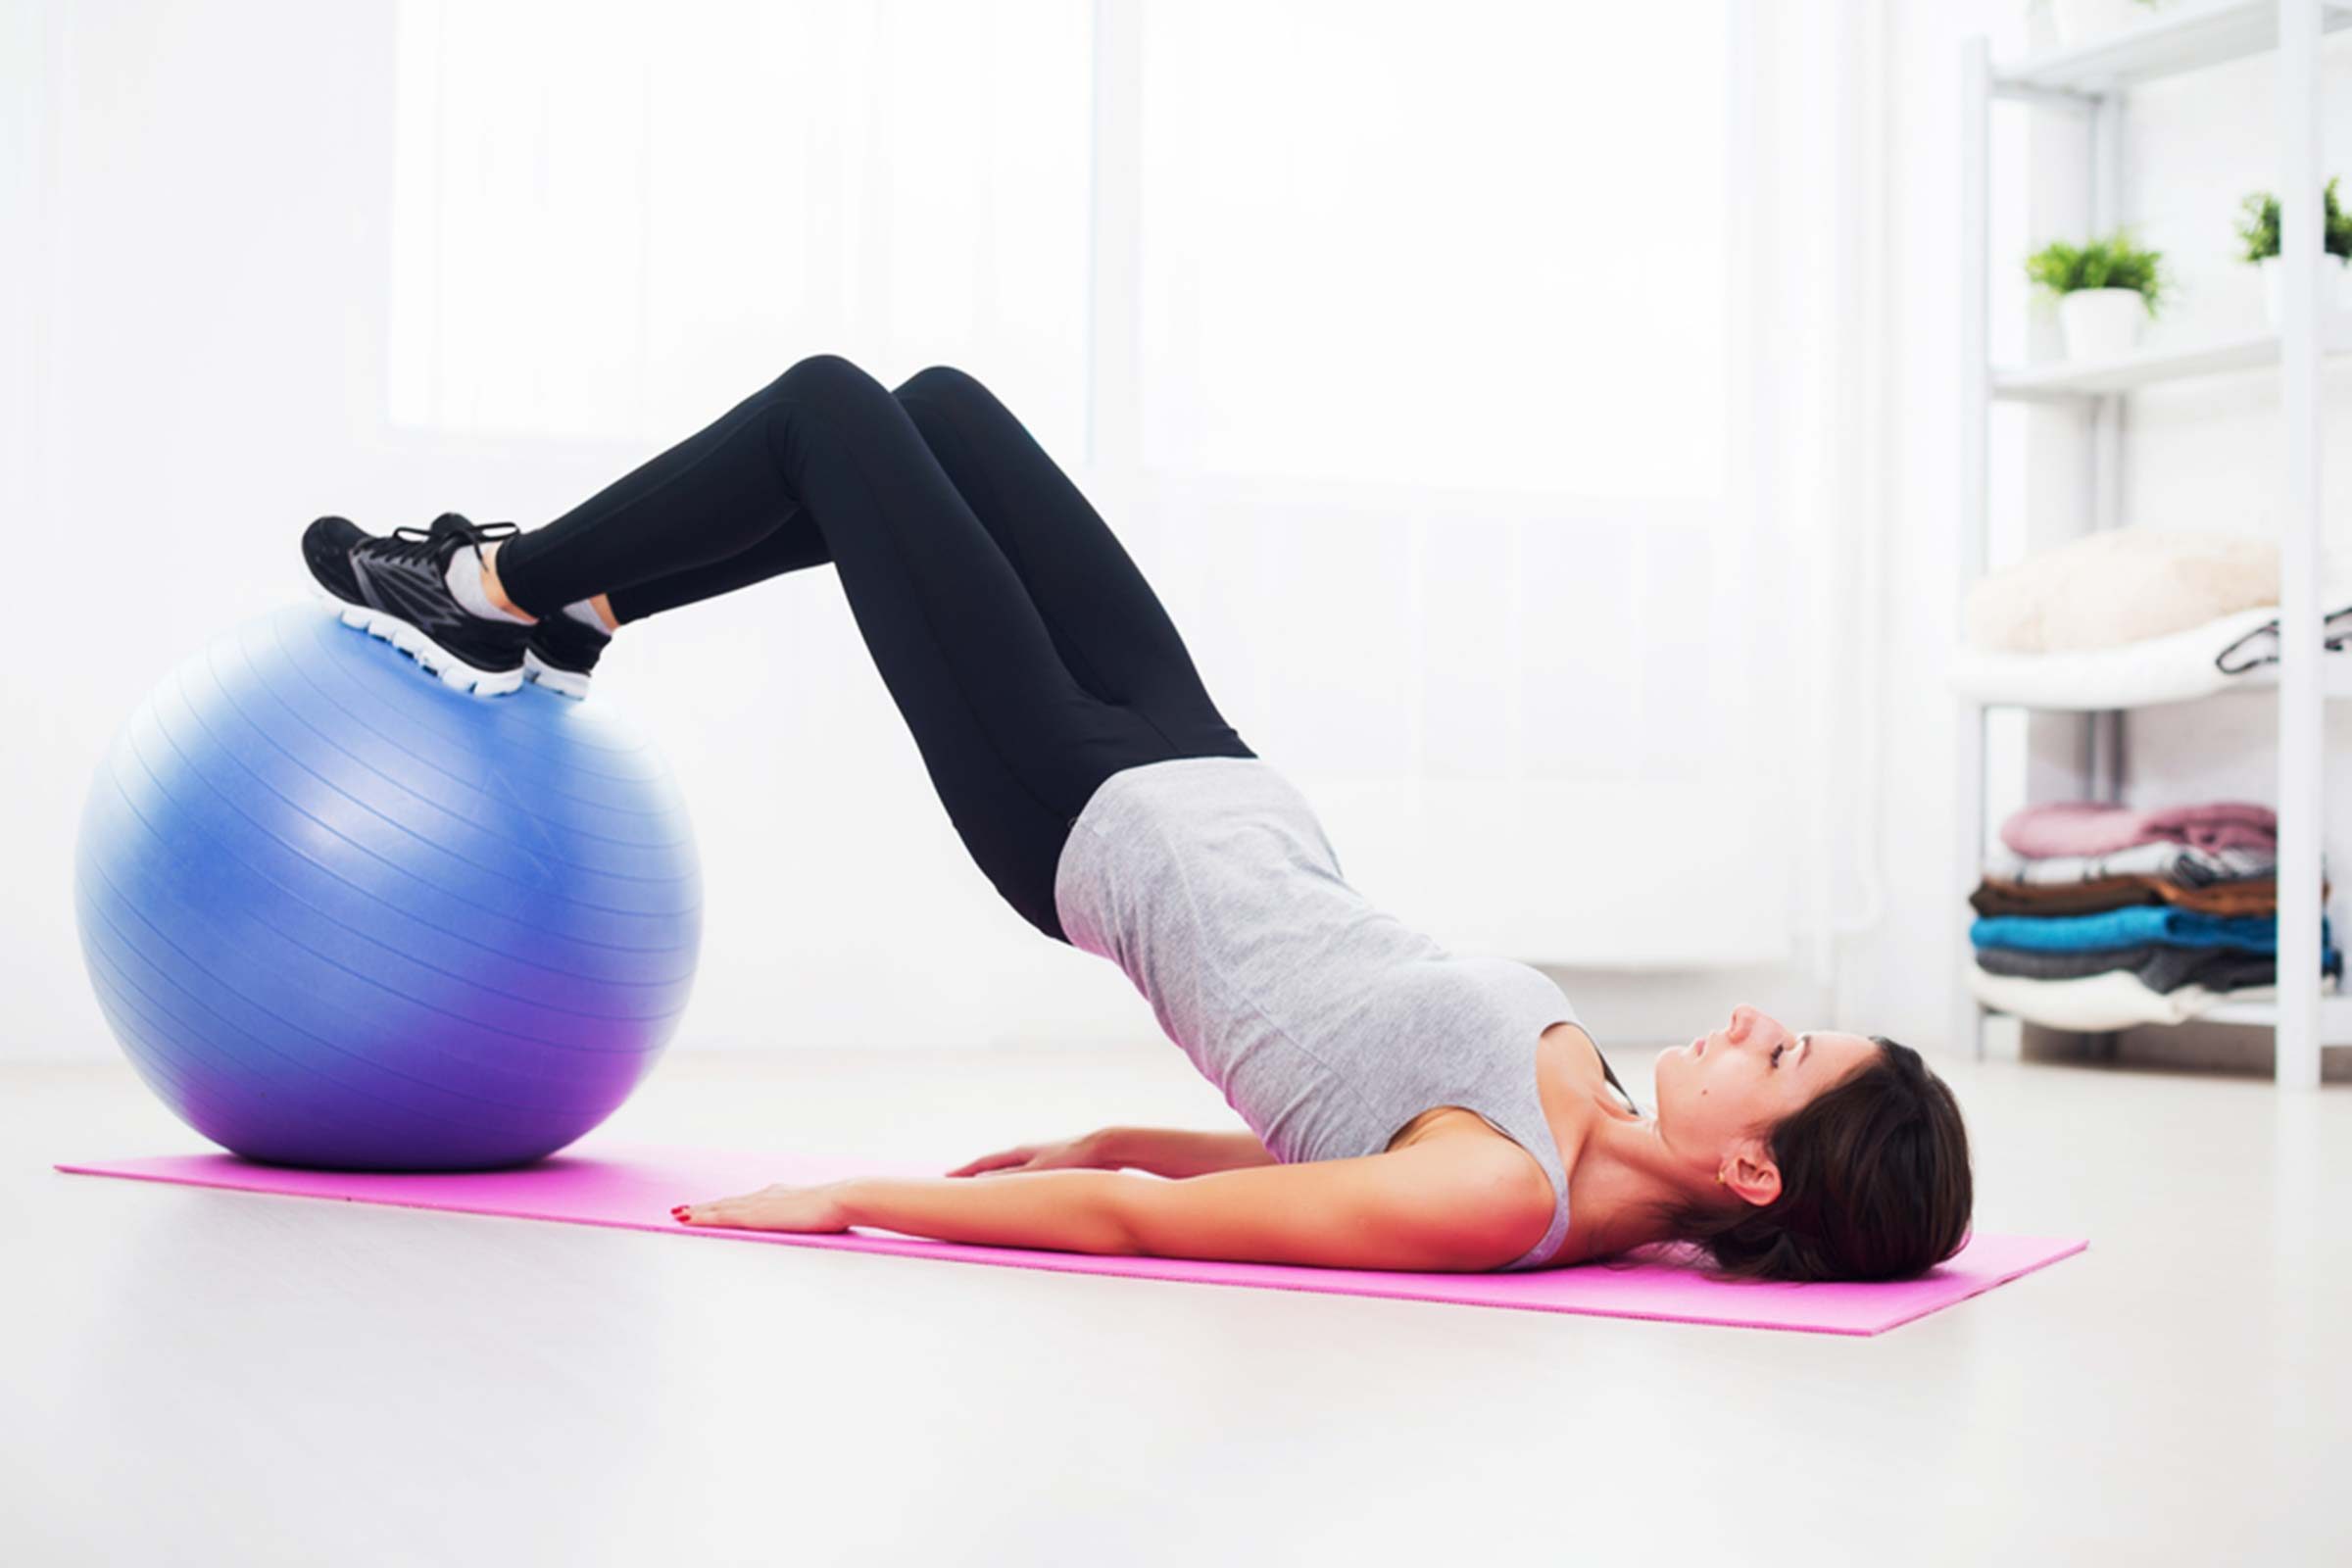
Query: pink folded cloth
(2080, 827)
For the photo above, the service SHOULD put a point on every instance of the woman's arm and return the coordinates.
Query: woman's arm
(1422, 1208)
(1179, 1152)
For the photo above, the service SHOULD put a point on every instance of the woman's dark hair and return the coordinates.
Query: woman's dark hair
(1875, 1183)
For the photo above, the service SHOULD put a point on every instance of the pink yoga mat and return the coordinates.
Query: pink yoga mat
(632, 1186)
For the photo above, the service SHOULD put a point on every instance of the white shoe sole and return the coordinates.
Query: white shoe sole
(453, 670)
(563, 682)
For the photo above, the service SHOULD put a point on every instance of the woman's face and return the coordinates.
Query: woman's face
(1725, 1089)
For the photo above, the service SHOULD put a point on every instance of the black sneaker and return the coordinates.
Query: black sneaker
(563, 652)
(395, 588)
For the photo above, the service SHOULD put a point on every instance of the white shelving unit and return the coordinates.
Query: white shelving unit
(2091, 80)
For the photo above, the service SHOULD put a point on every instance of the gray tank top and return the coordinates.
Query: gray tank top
(1324, 1023)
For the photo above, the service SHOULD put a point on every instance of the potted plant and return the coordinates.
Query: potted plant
(2081, 21)
(2105, 291)
(2258, 227)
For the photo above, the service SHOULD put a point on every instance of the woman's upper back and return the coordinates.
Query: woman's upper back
(1325, 1024)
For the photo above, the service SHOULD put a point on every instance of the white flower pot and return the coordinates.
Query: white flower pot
(2082, 21)
(2101, 323)
(2335, 285)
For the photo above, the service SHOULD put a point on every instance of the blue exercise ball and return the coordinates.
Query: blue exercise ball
(342, 915)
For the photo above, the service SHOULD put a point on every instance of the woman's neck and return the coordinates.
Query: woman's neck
(1623, 1176)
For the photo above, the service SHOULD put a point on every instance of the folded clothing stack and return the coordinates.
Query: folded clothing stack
(2102, 916)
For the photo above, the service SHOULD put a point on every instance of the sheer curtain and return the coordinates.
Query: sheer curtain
(1478, 383)
(1502, 414)
(591, 235)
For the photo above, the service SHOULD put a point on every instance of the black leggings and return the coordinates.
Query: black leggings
(1028, 655)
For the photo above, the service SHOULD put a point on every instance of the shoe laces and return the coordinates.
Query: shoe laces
(410, 546)
(432, 543)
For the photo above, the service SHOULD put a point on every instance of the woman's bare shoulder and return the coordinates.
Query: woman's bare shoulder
(1509, 1186)
(1580, 1054)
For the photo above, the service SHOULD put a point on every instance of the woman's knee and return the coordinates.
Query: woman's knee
(945, 384)
(824, 376)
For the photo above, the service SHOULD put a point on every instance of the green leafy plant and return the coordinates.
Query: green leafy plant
(2110, 263)
(2258, 225)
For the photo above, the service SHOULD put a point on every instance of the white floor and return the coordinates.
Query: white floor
(206, 1376)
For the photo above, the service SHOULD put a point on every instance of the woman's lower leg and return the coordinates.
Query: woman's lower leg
(793, 546)
(948, 621)
(712, 496)
(601, 604)
(1014, 743)
(713, 515)
(1108, 627)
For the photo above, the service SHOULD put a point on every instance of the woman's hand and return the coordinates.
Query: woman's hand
(781, 1208)
(1091, 1152)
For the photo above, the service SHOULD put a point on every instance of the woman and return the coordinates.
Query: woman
(1408, 1108)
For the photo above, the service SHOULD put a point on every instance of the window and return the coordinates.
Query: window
(1477, 245)
(705, 192)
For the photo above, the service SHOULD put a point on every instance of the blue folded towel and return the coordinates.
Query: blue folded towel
(2129, 927)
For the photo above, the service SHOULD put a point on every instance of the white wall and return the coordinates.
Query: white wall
(206, 316)
(2199, 455)
(199, 315)
(184, 366)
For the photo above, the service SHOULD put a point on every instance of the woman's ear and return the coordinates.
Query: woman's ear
(1751, 1173)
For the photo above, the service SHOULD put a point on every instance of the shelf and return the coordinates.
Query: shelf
(2335, 686)
(2068, 379)
(2282, 45)
(2335, 1017)
(2182, 38)
(2154, 672)
(2335, 678)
